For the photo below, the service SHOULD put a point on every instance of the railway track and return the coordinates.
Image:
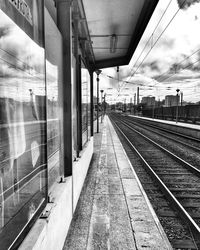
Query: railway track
(192, 141)
(187, 148)
(171, 182)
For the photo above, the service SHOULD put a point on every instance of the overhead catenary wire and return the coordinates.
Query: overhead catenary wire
(152, 34)
(188, 66)
(178, 64)
(115, 79)
(148, 40)
(135, 71)
(157, 40)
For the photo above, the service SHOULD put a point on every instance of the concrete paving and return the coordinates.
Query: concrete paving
(113, 211)
(178, 124)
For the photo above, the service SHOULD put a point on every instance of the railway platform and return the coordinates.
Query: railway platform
(174, 123)
(189, 129)
(113, 211)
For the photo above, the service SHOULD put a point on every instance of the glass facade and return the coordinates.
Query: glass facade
(53, 47)
(85, 92)
(31, 115)
(23, 161)
(74, 109)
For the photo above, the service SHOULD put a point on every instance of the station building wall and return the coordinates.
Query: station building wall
(36, 200)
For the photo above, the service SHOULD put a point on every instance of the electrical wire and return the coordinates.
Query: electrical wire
(155, 42)
(157, 39)
(147, 43)
(152, 34)
(125, 82)
(181, 70)
(178, 64)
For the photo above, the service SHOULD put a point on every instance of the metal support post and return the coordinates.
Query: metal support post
(153, 109)
(97, 103)
(91, 104)
(78, 84)
(98, 72)
(64, 22)
(177, 104)
(101, 105)
(104, 104)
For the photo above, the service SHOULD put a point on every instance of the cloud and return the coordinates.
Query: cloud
(4, 31)
(179, 39)
(17, 49)
(173, 62)
(21, 62)
(184, 4)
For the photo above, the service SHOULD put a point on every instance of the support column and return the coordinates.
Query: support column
(79, 100)
(91, 104)
(78, 82)
(64, 24)
(97, 103)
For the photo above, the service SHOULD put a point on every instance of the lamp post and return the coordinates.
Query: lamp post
(104, 106)
(124, 105)
(98, 72)
(154, 103)
(177, 103)
(101, 105)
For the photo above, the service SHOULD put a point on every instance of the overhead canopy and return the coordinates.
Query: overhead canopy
(112, 29)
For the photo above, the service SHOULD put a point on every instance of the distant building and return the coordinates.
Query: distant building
(148, 100)
(171, 100)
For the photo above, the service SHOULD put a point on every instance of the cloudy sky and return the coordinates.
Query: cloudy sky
(166, 58)
(21, 64)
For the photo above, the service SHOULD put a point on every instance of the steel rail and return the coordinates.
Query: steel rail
(186, 164)
(182, 212)
(169, 137)
(166, 130)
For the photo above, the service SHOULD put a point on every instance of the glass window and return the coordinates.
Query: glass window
(74, 109)
(85, 79)
(22, 128)
(89, 106)
(53, 46)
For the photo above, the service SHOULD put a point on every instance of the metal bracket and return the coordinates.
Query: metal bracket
(47, 211)
(62, 180)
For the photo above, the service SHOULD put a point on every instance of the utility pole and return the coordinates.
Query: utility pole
(98, 72)
(181, 98)
(177, 103)
(124, 104)
(101, 105)
(138, 94)
(131, 105)
(104, 103)
(134, 103)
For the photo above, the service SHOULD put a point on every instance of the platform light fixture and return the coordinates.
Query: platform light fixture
(113, 43)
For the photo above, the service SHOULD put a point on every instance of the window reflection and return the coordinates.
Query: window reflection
(85, 105)
(53, 45)
(22, 129)
(53, 123)
(74, 109)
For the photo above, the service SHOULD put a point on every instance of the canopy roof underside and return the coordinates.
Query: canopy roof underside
(112, 29)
